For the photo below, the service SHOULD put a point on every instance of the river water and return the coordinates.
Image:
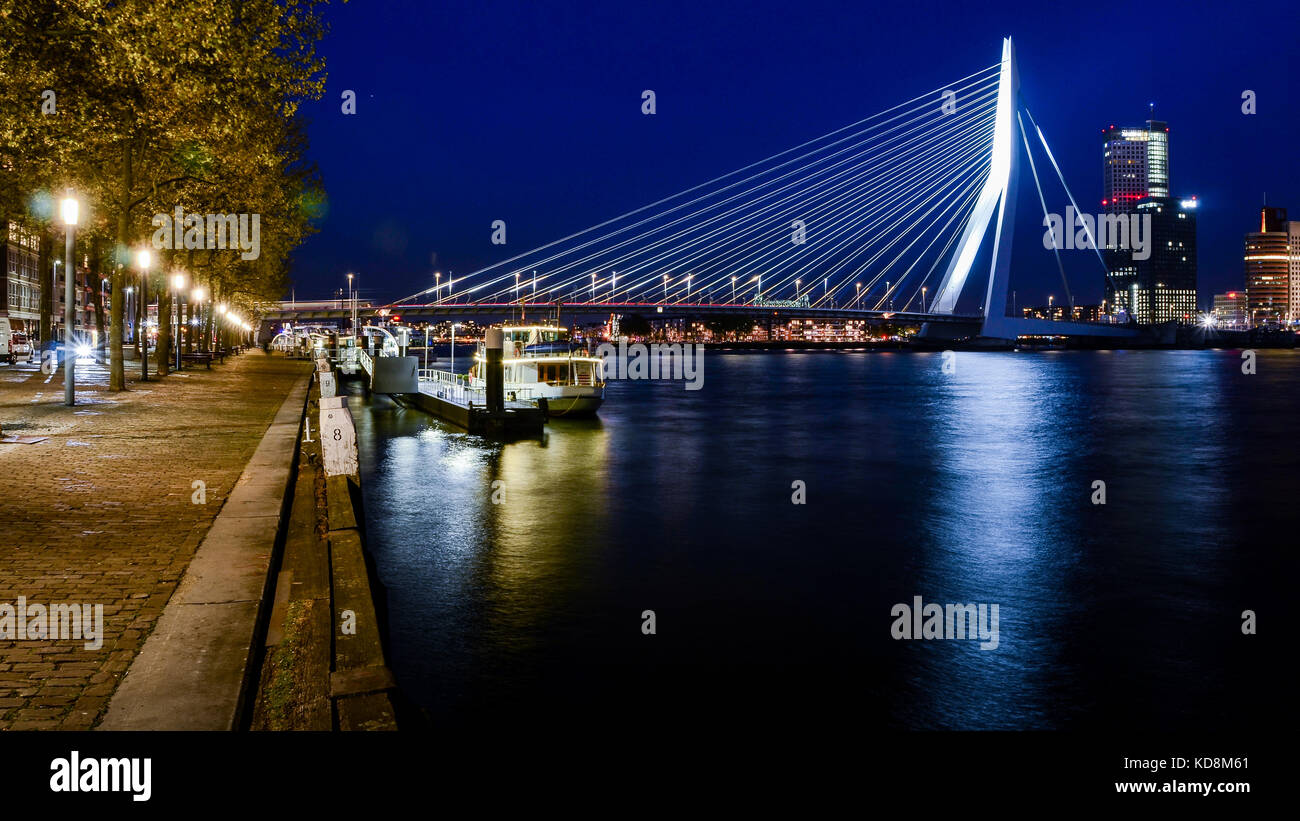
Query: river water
(975, 486)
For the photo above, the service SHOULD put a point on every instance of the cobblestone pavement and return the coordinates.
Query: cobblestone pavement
(105, 511)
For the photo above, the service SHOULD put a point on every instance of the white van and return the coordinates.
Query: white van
(14, 345)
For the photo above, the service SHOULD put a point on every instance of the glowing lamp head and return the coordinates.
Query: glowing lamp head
(178, 282)
(142, 260)
(221, 309)
(69, 209)
(197, 295)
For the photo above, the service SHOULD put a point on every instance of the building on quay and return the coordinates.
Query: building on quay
(1158, 284)
(1230, 310)
(1272, 268)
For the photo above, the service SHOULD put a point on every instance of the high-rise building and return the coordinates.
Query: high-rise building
(1293, 246)
(1155, 283)
(1272, 261)
(1135, 165)
(1166, 279)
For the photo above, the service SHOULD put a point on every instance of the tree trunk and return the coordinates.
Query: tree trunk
(164, 329)
(207, 328)
(117, 369)
(97, 297)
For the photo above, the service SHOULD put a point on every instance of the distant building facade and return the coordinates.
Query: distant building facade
(20, 281)
(1230, 309)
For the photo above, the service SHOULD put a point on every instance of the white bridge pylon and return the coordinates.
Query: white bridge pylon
(998, 193)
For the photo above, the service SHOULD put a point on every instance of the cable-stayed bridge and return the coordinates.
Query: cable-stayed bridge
(904, 216)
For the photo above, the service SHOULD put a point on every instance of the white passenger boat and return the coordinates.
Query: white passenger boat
(544, 366)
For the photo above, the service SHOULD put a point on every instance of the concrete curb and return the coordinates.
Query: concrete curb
(193, 671)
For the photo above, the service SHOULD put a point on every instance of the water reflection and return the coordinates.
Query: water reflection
(969, 487)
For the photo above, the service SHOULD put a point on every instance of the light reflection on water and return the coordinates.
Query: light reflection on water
(969, 487)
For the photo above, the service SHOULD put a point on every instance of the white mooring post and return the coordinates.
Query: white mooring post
(328, 388)
(338, 437)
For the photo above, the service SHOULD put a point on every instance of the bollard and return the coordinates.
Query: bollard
(495, 377)
(338, 437)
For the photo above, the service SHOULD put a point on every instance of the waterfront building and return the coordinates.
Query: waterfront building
(1055, 313)
(1272, 267)
(1230, 309)
(1158, 284)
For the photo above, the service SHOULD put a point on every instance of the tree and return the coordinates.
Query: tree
(159, 104)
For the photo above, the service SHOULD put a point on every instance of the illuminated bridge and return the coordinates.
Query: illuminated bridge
(906, 216)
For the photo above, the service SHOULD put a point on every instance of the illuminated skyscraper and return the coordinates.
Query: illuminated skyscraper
(1135, 165)
(1135, 176)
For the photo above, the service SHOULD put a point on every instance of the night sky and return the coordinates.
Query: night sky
(469, 112)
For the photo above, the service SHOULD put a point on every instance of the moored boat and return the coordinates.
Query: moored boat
(544, 366)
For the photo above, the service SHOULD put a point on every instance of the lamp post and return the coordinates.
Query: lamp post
(453, 348)
(437, 286)
(129, 313)
(178, 288)
(923, 301)
(857, 294)
(143, 259)
(70, 208)
(733, 290)
(351, 302)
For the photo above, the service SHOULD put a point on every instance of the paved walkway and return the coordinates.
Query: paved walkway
(105, 511)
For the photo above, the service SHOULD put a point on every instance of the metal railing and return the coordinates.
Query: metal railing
(455, 387)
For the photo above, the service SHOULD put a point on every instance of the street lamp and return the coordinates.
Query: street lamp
(733, 290)
(437, 286)
(143, 260)
(857, 294)
(453, 347)
(923, 300)
(665, 287)
(351, 299)
(69, 209)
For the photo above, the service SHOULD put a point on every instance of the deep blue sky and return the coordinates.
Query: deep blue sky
(530, 112)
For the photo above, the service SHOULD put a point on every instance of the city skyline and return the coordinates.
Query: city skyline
(581, 151)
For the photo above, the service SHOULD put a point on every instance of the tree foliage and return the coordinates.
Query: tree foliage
(159, 104)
